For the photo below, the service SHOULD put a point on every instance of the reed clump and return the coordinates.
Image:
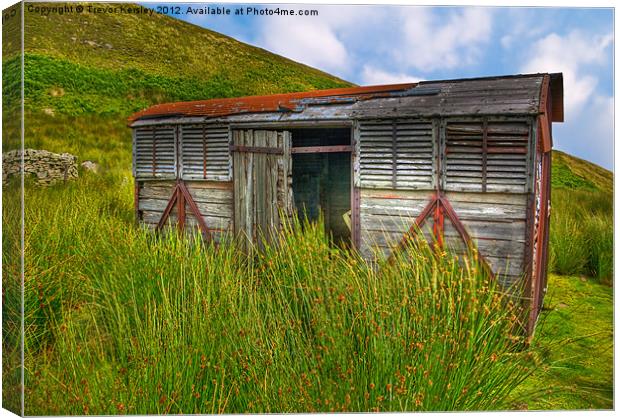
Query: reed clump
(581, 233)
(121, 321)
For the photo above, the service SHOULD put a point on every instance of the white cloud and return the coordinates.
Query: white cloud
(372, 75)
(311, 43)
(588, 127)
(432, 41)
(590, 133)
(517, 24)
(507, 41)
(569, 55)
(599, 142)
(407, 37)
(317, 41)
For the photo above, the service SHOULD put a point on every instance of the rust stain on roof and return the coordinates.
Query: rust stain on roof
(271, 103)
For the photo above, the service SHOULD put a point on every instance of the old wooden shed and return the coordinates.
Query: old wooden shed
(468, 161)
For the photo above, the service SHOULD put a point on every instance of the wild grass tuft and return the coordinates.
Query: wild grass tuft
(581, 240)
(123, 321)
(11, 298)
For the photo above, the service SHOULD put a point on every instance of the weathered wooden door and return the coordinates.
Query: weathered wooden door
(262, 182)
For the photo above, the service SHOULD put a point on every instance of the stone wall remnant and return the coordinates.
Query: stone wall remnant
(47, 167)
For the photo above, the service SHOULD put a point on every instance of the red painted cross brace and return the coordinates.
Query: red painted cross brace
(440, 207)
(180, 195)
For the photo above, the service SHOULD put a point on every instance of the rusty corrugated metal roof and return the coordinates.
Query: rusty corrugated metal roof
(270, 103)
(511, 94)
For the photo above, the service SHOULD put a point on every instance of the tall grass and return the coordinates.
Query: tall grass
(11, 299)
(581, 240)
(122, 321)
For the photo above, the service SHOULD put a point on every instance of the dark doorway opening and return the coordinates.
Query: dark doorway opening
(322, 178)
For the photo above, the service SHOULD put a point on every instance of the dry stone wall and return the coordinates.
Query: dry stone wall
(47, 167)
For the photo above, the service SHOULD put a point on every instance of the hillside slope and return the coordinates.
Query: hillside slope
(159, 44)
(80, 63)
(574, 173)
(85, 73)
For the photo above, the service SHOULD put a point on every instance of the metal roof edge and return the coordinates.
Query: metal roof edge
(494, 77)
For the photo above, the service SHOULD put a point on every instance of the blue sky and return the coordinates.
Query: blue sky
(389, 44)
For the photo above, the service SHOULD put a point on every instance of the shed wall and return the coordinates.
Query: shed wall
(495, 222)
(482, 165)
(478, 149)
(214, 200)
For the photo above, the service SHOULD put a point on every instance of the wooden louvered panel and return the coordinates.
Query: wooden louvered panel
(376, 159)
(204, 152)
(463, 170)
(507, 165)
(155, 152)
(396, 154)
(494, 161)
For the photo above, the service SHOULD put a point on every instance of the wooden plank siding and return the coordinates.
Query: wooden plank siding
(496, 222)
(261, 182)
(214, 200)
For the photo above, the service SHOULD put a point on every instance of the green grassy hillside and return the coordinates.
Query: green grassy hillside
(581, 218)
(570, 172)
(575, 331)
(168, 47)
(108, 66)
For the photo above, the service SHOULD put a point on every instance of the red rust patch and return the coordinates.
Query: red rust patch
(271, 103)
